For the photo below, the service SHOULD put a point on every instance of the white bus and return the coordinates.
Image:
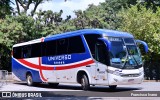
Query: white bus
(88, 57)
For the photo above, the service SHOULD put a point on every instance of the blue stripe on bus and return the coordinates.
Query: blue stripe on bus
(20, 71)
(65, 59)
(110, 33)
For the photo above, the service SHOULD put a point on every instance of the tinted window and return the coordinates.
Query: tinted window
(101, 53)
(49, 48)
(22, 52)
(17, 52)
(43, 50)
(75, 45)
(62, 46)
(129, 41)
(26, 51)
(36, 50)
(92, 40)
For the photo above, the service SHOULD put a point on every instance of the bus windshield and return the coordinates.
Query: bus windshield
(124, 53)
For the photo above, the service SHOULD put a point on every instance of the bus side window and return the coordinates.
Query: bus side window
(62, 46)
(17, 52)
(43, 49)
(26, 51)
(91, 41)
(50, 48)
(75, 45)
(102, 54)
(36, 50)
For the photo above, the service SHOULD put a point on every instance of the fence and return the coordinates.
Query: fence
(4, 77)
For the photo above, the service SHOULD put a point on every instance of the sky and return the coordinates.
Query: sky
(68, 7)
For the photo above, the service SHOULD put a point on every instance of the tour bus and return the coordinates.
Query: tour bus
(87, 56)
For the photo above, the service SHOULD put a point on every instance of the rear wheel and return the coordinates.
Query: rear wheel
(112, 86)
(29, 80)
(85, 83)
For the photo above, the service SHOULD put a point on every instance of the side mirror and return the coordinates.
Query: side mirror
(107, 43)
(144, 45)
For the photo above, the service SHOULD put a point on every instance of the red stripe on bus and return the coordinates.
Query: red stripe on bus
(34, 65)
(41, 74)
(55, 68)
(75, 66)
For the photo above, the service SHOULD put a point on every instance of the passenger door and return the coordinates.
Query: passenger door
(48, 52)
(102, 60)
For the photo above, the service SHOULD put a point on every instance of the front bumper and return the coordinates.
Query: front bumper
(119, 80)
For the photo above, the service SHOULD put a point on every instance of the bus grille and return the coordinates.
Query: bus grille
(130, 75)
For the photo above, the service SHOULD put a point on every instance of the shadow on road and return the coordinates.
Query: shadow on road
(92, 89)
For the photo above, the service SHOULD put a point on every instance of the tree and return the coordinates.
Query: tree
(5, 8)
(10, 33)
(116, 5)
(102, 16)
(152, 4)
(25, 4)
(144, 24)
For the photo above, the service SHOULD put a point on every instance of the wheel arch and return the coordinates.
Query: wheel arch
(29, 72)
(80, 73)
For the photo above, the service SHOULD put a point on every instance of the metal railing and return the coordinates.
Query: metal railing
(3, 77)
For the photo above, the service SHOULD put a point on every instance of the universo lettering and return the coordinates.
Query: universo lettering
(61, 57)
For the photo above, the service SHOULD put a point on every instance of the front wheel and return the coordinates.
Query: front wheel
(85, 83)
(112, 86)
(29, 80)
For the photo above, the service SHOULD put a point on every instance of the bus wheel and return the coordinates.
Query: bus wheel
(29, 80)
(53, 84)
(85, 83)
(112, 86)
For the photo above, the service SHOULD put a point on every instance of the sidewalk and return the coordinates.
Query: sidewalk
(151, 80)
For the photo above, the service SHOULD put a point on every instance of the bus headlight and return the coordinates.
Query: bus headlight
(114, 72)
(141, 73)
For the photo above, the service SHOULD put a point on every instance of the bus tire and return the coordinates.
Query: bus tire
(85, 83)
(29, 80)
(112, 86)
(53, 84)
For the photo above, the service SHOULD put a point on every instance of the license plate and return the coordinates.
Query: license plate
(130, 80)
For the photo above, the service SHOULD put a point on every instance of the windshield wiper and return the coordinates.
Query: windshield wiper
(125, 62)
(135, 60)
(129, 59)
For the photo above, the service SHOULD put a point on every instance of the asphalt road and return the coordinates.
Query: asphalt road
(149, 90)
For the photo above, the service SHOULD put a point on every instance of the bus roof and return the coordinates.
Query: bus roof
(105, 32)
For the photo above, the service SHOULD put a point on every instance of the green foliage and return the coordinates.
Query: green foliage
(48, 22)
(10, 33)
(144, 25)
(151, 4)
(142, 21)
(116, 5)
(5, 8)
(101, 16)
(25, 4)
(21, 28)
(15, 29)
